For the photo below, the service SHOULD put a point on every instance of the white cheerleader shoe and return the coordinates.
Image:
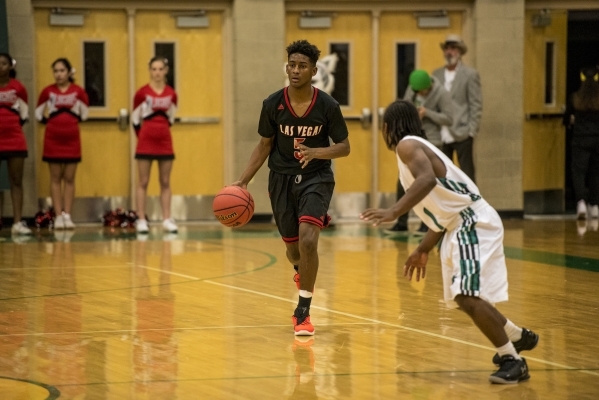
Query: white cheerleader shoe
(141, 226)
(59, 222)
(20, 228)
(170, 226)
(68, 222)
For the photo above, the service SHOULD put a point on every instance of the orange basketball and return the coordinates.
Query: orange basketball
(233, 206)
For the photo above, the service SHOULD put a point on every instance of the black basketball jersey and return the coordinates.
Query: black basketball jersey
(322, 120)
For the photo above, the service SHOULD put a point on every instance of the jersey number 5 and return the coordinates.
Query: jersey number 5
(296, 143)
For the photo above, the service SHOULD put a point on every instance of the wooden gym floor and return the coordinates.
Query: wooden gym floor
(206, 314)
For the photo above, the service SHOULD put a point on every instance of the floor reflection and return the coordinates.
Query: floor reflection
(154, 345)
(62, 350)
(305, 384)
(14, 355)
(102, 315)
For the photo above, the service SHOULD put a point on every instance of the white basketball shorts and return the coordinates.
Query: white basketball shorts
(472, 257)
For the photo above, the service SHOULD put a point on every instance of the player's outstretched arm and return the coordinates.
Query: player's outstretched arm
(259, 155)
(412, 154)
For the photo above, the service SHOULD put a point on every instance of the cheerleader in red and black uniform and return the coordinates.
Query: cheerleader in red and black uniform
(13, 147)
(154, 112)
(65, 105)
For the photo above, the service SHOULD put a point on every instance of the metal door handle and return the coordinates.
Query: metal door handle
(198, 120)
(123, 119)
(366, 119)
(543, 116)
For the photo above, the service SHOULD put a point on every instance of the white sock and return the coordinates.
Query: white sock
(508, 349)
(305, 294)
(514, 333)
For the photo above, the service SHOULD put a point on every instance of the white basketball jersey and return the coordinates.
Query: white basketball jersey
(441, 208)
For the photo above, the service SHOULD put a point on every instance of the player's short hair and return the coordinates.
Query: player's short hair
(304, 47)
(402, 120)
(12, 73)
(67, 65)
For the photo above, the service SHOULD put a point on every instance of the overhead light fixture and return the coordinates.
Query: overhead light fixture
(315, 20)
(192, 19)
(67, 17)
(541, 19)
(432, 19)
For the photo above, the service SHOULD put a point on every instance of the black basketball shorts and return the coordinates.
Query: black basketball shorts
(300, 198)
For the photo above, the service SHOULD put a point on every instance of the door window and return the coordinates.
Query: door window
(406, 63)
(95, 73)
(341, 92)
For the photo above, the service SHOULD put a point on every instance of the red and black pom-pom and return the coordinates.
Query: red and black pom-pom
(44, 219)
(119, 218)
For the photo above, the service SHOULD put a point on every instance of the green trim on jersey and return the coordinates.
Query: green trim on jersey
(430, 214)
(469, 254)
(458, 187)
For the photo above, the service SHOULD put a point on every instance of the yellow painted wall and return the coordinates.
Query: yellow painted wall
(104, 170)
(544, 150)
(352, 174)
(198, 167)
(105, 166)
(401, 27)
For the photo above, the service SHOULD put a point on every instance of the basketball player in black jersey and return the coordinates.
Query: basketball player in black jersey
(295, 124)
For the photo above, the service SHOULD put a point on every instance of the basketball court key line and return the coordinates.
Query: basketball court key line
(372, 320)
(399, 327)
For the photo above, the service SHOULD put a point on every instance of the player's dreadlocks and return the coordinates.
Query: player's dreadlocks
(306, 48)
(402, 119)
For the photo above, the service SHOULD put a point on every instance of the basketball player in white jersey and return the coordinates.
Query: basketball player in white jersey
(472, 259)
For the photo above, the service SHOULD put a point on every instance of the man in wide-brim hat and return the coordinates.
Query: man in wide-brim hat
(456, 42)
(463, 84)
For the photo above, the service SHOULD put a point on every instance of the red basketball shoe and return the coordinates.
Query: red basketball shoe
(303, 328)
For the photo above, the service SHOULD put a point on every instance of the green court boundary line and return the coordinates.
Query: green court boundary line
(53, 392)
(541, 257)
(513, 253)
(272, 260)
(555, 259)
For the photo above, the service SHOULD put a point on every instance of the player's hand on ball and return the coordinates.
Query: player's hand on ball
(416, 262)
(240, 184)
(377, 215)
